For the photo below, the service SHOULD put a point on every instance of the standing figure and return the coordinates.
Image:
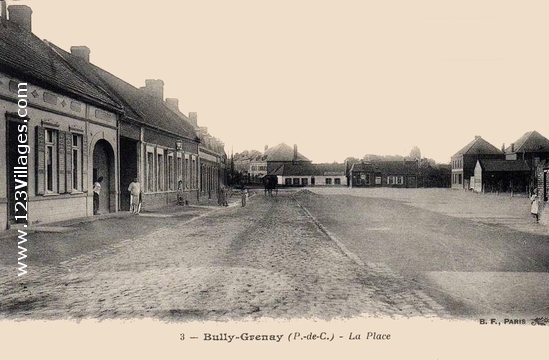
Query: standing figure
(244, 196)
(135, 190)
(535, 204)
(180, 197)
(96, 191)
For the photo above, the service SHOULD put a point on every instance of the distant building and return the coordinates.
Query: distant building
(500, 175)
(402, 174)
(307, 174)
(294, 169)
(464, 161)
(533, 148)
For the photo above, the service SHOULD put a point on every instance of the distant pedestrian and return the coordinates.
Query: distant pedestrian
(223, 196)
(534, 200)
(180, 193)
(244, 196)
(135, 191)
(96, 191)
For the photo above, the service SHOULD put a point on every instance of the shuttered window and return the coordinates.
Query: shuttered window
(61, 162)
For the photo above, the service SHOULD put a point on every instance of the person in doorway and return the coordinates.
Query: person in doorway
(180, 193)
(135, 190)
(96, 191)
(535, 205)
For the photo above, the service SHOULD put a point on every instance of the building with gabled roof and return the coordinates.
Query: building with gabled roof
(403, 174)
(306, 173)
(158, 146)
(533, 148)
(69, 122)
(464, 161)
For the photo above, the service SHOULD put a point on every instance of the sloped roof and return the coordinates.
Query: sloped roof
(387, 167)
(25, 56)
(498, 165)
(308, 169)
(138, 105)
(363, 166)
(479, 146)
(283, 152)
(532, 141)
(396, 167)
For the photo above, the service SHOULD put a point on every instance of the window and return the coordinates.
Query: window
(187, 173)
(400, 180)
(150, 171)
(194, 174)
(378, 180)
(179, 168)
(304, 181)
(76, 162)
(171, 171)
(51, 160)
(288, 181)
(328, 181)
(337, 181)
(160, 174)
(459, 179)
(296, 181)
(390, 180)
(367, 179)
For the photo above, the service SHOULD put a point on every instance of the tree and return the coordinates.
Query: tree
(415, 153)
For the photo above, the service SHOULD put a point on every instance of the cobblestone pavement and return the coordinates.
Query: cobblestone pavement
(265, 260)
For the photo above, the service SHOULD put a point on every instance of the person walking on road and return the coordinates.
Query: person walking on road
(135, 190)
(535, 204)
(96, 191)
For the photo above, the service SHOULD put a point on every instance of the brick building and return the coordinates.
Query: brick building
(464, 161)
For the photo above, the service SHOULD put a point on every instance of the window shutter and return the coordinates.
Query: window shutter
(40, 160)
(84, 163)
(61, 160)
(68, 153)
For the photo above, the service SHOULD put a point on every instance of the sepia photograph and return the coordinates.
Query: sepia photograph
(252, 179)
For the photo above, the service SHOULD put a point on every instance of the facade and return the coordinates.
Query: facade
(59, 131)
(497, 175)
(307, 174)
(533, 148)
(213, 161)
(400, 174)
(69, 122)
(464, 161)
(157, 146)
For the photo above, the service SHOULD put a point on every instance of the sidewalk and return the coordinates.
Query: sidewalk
(168, 211)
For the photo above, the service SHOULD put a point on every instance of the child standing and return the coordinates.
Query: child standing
(535, 205)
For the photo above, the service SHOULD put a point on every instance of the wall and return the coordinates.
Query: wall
(63, 115)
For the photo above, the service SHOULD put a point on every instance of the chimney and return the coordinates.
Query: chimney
(173, 103)
(266, 147)
(155, 88)
(3, 11)
(477, 137)
(193, 118)
(295, 152)
(512, 147)
(203, 130)
(82, 52)
(21, 15)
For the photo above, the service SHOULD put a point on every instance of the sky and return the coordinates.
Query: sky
(337, 78)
